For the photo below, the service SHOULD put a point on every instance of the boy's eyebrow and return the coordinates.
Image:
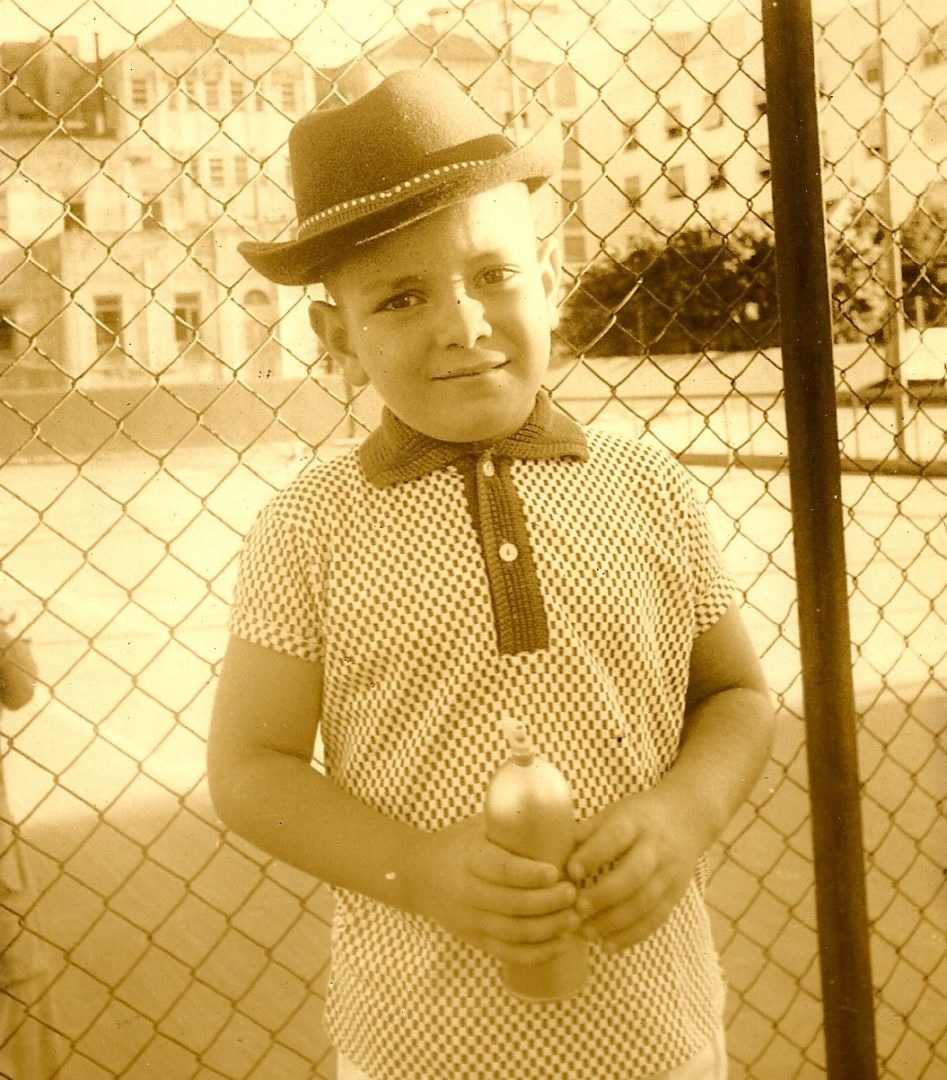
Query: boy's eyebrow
(414, 281)
(385, 284)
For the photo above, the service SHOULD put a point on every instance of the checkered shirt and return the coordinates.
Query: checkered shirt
(387, 588)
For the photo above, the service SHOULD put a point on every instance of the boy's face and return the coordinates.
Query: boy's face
(450, 318)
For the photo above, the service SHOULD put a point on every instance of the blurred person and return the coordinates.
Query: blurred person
(27, 1042)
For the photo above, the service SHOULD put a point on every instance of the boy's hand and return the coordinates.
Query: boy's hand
(17, 669)
(645, 850)
(513, 908)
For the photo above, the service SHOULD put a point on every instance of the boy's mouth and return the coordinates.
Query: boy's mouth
(469, 371)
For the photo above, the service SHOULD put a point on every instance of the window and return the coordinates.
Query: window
(107, 311)
(75, 215)
(633, 190)
(139, 93)
(187, 318)
(215, 172)
(190, 89)
(872, 136)
(241, 170)
(571, 155)
(631, 137)
(677, 182)
(288, 95)
(193, 168)
(236, 91)
(932, 48)
(574, 247)
(872, 69)
(564, 85)
(571, 190)
(673, 125)
(718, 176)
(212, 94)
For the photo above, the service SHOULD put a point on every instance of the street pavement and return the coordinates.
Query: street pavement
(121, 573)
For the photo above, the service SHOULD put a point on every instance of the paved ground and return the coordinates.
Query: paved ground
(179, 953)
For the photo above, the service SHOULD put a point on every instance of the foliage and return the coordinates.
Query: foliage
(702, 289)
(924, 266)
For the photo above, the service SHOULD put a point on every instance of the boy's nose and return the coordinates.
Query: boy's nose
(463, 322)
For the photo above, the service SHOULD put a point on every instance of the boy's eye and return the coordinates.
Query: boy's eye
(495, 275)
(401, 302)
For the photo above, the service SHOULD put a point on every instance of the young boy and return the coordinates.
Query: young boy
(480, 552)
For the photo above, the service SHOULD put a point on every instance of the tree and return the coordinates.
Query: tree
(924, 265)
(702, 289)
(698, 290)
(858, 279)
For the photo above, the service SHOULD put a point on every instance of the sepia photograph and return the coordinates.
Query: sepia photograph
(473, 539)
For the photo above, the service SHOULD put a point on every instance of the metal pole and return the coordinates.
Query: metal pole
(894, 325)
(815, 486)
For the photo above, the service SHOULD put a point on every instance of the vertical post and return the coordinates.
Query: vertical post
(894, 324)
(815, 485)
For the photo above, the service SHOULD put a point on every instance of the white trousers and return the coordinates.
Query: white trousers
(709, 1064)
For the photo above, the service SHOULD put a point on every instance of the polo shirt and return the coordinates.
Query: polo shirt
(386, 566)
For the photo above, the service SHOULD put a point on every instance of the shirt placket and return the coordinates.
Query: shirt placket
(497, 512)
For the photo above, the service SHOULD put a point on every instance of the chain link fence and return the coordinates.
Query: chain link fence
(155, 392)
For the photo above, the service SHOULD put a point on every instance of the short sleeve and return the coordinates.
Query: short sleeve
(275, 600)
(713, 589)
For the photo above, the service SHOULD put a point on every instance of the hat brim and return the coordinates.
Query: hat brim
(305, 261)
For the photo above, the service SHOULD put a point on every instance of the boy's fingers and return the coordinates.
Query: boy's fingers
(633, 873)
(527, 954)
(528, 903)
(639, 929)
(549, 928)
(607, 841)
(504, 868)
(628, 910)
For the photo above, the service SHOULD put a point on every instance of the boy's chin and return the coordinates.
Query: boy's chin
(477, 429)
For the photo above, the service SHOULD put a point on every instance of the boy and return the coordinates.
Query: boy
(480, 551)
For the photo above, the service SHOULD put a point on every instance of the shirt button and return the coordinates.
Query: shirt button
(489, 468)
(508, 552)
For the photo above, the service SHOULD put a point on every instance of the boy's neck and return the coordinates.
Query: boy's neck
(395, 452)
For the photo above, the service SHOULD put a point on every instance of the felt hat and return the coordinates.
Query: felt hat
(409, 147)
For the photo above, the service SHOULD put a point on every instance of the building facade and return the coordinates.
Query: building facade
(121, 212)
(127, 182)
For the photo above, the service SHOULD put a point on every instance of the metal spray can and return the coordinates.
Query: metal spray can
(529, 811)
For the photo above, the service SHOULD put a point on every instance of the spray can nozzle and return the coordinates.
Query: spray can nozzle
(518, 737)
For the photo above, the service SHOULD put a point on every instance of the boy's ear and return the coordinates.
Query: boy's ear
(550, 268)
(329, 324)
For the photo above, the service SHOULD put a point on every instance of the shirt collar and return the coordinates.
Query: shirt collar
(395, 453)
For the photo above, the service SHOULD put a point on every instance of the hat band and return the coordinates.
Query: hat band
(352, 207)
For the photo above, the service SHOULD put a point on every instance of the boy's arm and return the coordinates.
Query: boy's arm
(654, 838)
(263, 785)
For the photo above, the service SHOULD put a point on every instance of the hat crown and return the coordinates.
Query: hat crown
(413, 145)
(411, 122)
